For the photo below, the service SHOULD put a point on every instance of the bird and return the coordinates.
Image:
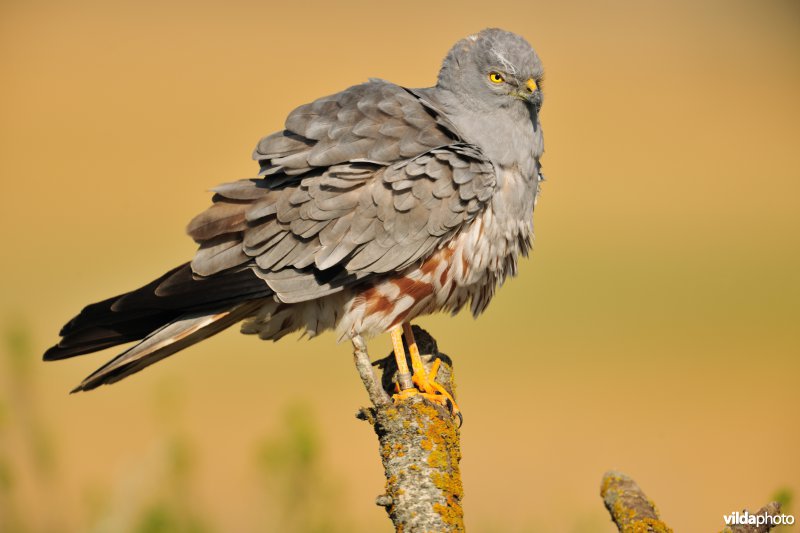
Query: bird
(371, 207)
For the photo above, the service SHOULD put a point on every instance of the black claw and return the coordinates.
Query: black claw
(454, 410)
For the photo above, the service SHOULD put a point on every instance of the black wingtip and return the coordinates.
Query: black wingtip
(52, 354)
(59, 352)
(86, 385)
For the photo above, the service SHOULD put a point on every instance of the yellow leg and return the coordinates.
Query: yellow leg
(405, 385)
(424, 380)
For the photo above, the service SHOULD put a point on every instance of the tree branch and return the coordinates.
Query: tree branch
(419, 446)
(377, 395)
(630, 509)
(633, 512)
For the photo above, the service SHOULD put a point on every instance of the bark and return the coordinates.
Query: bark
(633, 512)
(630, 509)
(419, 446)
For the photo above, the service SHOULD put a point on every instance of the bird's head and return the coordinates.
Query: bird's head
(493, 69)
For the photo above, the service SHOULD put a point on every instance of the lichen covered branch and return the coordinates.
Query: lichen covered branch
(420, 451)
(633, 512)
(630, 509)
(377, 395)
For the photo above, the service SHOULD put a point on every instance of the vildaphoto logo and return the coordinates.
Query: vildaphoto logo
(745, 518)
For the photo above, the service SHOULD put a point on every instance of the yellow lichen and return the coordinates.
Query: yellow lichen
(438, 436)
(608, 480)
(624, 516)
(622, 513)
(437, 458)
(386, 451)
(646, 525)
(451, 515)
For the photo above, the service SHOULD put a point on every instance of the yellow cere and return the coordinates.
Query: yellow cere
(531, 83)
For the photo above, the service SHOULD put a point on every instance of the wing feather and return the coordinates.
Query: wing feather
(360, 184)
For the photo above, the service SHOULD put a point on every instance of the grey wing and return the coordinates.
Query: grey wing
(376, 121)
(347, 223)
(338, 210)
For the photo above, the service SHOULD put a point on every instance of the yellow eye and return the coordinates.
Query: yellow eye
(496, 77)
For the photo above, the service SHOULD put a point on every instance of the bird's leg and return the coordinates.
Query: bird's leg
(405, 385)
(425, 381)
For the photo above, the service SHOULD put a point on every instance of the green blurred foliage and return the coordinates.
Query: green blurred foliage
(22, 399)
(784, 496)
(163, 517)
(173, 509)
(18, 349)
(303, 496)
(296, 477)
(167, 502)
(22, 426)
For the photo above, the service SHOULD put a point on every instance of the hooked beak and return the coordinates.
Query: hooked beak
(530, 93)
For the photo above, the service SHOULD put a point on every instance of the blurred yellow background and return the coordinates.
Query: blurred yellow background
(655, 330)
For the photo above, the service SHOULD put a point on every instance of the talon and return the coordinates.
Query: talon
(426, 381)
(404, 394)
(421, 381)
(441, 396)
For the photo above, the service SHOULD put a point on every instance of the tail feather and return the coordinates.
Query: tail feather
(169, 339)
(99, 336)
(107, 312)
(168, 314)
(134, 315)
